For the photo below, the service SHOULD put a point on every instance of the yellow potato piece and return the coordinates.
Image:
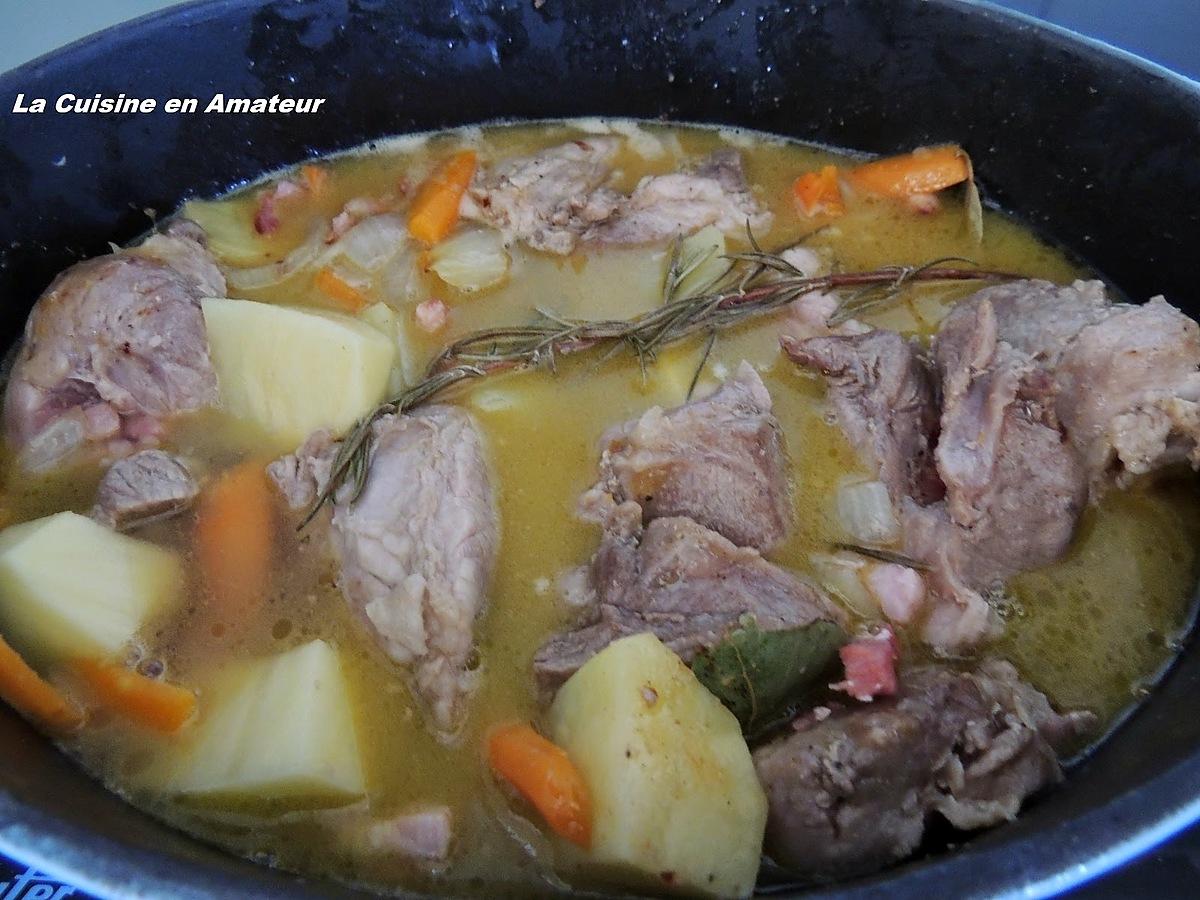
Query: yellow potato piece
(676, 800)
(71, 587)
(279, 729)
(292, 370)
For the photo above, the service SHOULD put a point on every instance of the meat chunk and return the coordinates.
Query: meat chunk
(1015, 487)
(870, 666)
(113, 348)
(885, 400)
(146, 486)
(301, 476)
(854, 791)
(667, 206)
(682, 581)
(1129, 391)
(1034, 317)
(1125, 379)
(417, 549)
(549, 199)
(718, 460)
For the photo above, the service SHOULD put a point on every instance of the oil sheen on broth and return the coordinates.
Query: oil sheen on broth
(1090, 631)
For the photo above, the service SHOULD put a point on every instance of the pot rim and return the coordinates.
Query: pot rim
(993, 866)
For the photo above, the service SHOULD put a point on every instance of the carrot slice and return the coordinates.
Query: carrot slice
(316, 178)
(155, 704)
(31, 695)
(235, 534)
(924, 171)
(338, 289)
(545, 776)
(819, 194)
(435, 210)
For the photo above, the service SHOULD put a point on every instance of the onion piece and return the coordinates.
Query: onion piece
(273, 273)
(865, 512)
(841, 574)
(471, 260)
(373, 242)
(52, 444)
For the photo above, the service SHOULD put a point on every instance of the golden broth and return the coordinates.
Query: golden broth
(1089, 631)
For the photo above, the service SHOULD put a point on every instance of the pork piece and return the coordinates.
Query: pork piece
(885, 400)
(149, 485)
(682, 581)
(666, 206)
(1034, 317)
(417, 549)
(548, 199)
(113, 348)
(1129, 391)
(718, 460)
(301, 476)
(854, 791)
(1006, 466)
(869, 663)
(1124, 378)
(1015, 488)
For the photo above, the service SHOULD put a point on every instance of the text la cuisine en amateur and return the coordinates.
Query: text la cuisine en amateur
(219, 103)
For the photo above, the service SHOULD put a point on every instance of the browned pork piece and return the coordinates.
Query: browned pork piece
(680, 580)
(666, 206)
(854, 791)
(885, 400)
(554, 199)
(718, 460)
(547, 199)
(417, 549)
(113, 348)
(1013, 487)
(149, 485)
(1125, 379)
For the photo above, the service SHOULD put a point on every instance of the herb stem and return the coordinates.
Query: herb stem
(766, 284)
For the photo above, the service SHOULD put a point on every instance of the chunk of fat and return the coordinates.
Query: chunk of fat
(292, 370)
(71, 587)
(279, 729)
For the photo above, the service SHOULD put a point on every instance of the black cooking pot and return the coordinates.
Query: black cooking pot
(1096, 149)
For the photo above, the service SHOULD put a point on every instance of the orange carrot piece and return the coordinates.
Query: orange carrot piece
(155, 704)
(235, 534)
(338, 289)
(316, 178)
(31, 695)
(545, 776)
(435, 210)
(924, 171)
(819, 194)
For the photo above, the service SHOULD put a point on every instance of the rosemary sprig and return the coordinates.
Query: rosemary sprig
(879, 553)
(758, 283)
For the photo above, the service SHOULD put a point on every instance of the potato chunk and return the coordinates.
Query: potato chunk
(71, 587)
(292, 370)
(676, 800)
(279, 729)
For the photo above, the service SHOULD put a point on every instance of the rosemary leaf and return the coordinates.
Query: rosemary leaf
(758, 283)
